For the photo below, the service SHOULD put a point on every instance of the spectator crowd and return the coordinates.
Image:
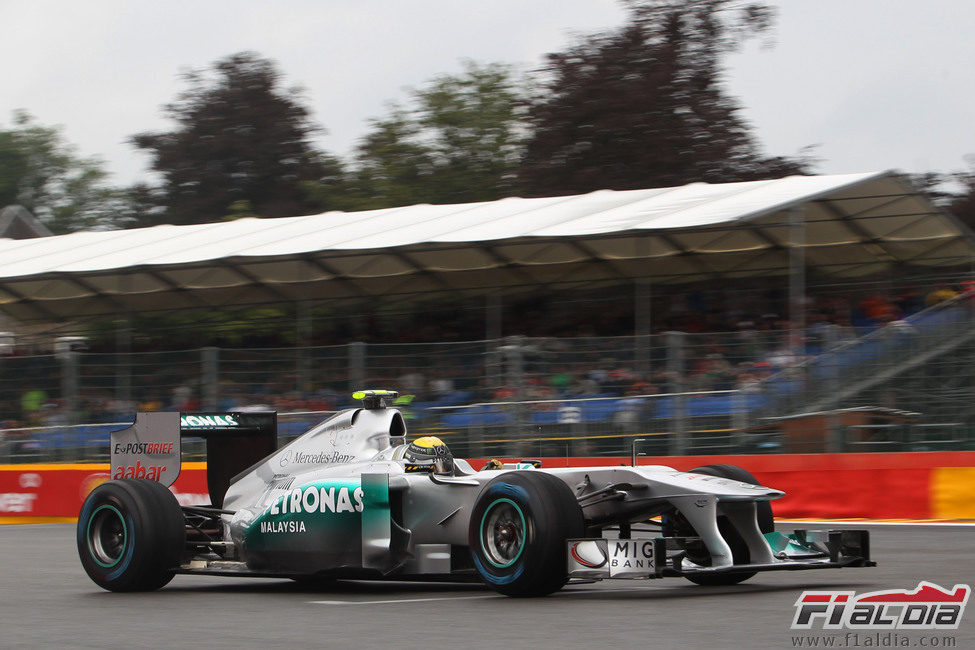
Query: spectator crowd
(728, 343)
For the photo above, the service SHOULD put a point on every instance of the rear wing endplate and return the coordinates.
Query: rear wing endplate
(151, 448)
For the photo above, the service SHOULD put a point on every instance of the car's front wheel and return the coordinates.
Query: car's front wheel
(518, 532)
(131, 534)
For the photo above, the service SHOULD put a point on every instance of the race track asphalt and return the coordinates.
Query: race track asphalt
(47, 601)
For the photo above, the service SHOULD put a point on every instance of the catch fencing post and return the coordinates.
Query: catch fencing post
(123, 361)
(303, 334)
(357, 366)
(642, 328)
(675, 368)
(69, 393)
(211, 378)
(739, 420)
(797, 281)
(493, 366)
(515, 355)
(69, 384)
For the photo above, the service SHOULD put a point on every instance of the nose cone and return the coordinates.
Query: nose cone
(727, 489)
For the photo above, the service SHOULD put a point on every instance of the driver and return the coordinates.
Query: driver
(428, 454)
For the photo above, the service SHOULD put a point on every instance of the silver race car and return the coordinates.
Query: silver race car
(351, 498)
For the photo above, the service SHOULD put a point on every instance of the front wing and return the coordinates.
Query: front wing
(661, 557)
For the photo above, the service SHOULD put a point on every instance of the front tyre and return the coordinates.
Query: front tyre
(518, 532)
(766, 520)
(739, 549)
(131, 534)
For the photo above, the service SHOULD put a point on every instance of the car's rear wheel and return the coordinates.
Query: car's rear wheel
(698, 554)
(518, 532)
(131, 534)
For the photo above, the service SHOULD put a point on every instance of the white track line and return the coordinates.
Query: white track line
(398, 600)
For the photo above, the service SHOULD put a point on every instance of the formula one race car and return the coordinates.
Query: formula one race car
(351, 498)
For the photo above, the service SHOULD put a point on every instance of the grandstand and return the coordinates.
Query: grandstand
(632, 256)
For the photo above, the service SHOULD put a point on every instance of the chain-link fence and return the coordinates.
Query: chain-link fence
(907, 385)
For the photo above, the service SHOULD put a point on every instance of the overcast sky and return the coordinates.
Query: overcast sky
(874, 84)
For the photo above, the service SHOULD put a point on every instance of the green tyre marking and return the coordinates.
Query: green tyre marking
(125, 537)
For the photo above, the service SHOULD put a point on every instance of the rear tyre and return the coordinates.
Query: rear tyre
(739, 549)
(518, 532)
(131, 534)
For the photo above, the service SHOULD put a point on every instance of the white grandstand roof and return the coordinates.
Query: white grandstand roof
(855, 225)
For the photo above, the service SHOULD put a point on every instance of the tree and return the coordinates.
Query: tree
(42, 172)
(474, 125)
(13, 168)
(937, 186)
(963, 204)
(392, 166)
(239, 137)
(645, 106)
(460, 141)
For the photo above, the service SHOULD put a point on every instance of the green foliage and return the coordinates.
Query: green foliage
(239, 137)
(43, 173)
(644, 106)
(13, 168)
(460, 141)
(640, 106)
(936, 187)
(963, 205)
(474, 126)
(392, 166)
(240, 210)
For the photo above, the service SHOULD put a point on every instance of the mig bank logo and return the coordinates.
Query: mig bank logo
(928, 607)
(589, 553)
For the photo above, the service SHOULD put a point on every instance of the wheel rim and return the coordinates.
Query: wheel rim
(503, 531)
(107, 536)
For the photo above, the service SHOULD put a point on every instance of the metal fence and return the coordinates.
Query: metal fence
(75, 387)
(674, 392)
(714, 422)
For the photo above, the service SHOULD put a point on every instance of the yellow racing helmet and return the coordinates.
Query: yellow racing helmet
(428, 454)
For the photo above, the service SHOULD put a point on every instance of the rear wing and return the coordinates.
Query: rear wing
(151, 447)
